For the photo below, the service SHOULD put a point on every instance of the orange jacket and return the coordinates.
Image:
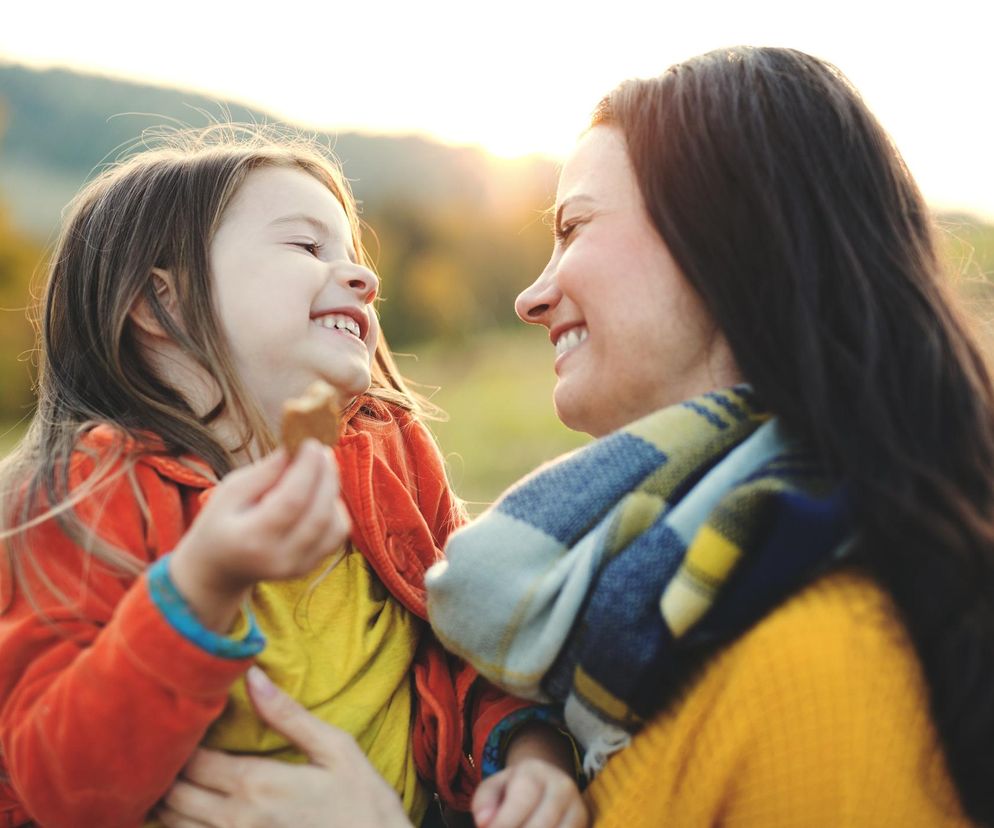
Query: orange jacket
(102, 701)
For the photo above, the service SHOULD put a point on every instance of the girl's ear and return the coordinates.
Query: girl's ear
(143, 314)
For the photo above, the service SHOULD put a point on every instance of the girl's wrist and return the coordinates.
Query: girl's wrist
(216, 605)
(538, 740)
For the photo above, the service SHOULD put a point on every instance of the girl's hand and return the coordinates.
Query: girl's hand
(532, 794)
(338, 788)
(271, 520)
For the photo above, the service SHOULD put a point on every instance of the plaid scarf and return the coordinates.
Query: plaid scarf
(600, 578)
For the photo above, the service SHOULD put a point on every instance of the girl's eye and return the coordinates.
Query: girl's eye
(311, 247)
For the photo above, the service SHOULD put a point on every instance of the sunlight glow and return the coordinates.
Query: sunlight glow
(525, 79)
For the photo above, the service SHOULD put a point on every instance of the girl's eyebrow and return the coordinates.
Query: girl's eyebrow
(319, 226)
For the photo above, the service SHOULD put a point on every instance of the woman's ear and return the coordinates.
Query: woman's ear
(143, 314)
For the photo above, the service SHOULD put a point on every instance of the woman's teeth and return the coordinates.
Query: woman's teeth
(339, 321)
(570, 339)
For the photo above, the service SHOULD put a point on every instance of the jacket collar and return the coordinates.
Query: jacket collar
(151, 451)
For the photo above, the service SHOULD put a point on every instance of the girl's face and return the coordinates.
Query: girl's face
(631, 335)
(291, 298)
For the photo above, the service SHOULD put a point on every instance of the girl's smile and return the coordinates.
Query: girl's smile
(293, 300)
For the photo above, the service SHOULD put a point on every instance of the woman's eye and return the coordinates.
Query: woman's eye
(563, 232)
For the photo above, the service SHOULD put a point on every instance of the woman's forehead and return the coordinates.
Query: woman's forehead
(597, 169)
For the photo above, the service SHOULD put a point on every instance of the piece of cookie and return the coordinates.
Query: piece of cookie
(315, 414)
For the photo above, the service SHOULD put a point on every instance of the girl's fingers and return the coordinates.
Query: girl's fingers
(284, 504)
(320, 530)
(249, 483)
(550, 810)
(576, 815)
(488, 797)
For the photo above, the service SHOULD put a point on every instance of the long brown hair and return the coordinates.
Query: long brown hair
(158, 208)
(792, 214)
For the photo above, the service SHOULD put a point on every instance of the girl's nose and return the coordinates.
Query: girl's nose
(537, 300)
(363, 281)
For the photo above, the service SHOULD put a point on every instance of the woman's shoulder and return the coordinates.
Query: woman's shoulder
(846, 609)
(830, 692)
(836, 651)
(818, 714)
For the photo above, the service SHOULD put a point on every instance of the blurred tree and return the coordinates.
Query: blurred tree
(19, 259)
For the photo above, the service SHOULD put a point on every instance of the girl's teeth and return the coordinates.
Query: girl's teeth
(339, 321)
(570, 339)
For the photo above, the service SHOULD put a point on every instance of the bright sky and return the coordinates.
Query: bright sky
(520, 77)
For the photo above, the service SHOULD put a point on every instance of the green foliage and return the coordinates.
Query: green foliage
(451, 273)
(19, 258)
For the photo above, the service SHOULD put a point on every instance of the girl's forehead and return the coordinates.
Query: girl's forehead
(269, 193)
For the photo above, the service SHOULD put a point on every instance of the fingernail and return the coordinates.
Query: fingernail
(259, 683)
(483, 815)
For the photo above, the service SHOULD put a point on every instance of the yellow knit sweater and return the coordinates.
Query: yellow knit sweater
(818, 716)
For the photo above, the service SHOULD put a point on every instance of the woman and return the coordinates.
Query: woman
(744, 218)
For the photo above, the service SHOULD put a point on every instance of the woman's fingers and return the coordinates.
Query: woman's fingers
(168, 817)
(215, 770)
(324, 744)
(185, 799)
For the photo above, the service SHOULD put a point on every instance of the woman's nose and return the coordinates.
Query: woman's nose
(536, 301)
(362, 280)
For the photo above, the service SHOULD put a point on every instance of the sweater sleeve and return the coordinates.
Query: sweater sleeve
(102, 699)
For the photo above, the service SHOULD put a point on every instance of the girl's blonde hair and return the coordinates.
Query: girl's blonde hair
(158, 208)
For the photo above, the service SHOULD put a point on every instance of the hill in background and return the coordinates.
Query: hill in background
(457, 232)
(61, 125)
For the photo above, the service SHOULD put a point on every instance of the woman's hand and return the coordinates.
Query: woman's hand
(535, 790)
(339, 788)
(271, 520)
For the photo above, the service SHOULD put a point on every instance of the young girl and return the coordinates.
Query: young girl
(156, 537)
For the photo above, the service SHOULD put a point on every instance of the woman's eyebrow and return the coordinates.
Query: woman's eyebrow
(319, 226)
(573, 199)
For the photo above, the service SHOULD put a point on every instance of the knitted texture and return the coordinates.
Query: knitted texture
(818, 716)
(593, 581)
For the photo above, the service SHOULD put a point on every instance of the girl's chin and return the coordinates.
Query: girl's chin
(349, 384)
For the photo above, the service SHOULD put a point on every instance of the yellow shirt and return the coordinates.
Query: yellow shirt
(342, 647)
(818, 716)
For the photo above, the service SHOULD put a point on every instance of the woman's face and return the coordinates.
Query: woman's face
(631, 335)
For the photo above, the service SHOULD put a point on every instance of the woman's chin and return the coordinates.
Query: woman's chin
(574, 412)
